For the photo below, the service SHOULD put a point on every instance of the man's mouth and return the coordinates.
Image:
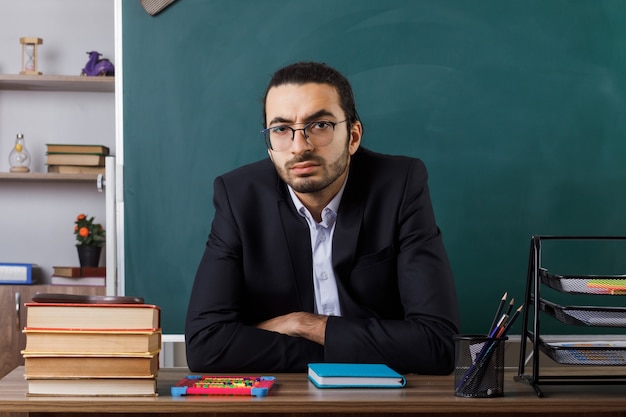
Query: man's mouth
(303, 168)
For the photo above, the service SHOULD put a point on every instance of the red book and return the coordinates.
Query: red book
(78, 271)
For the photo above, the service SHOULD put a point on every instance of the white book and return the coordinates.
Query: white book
(82, 281)
(93, 387)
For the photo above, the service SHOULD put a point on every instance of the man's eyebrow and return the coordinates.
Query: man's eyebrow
(313, 117)
(280, 120)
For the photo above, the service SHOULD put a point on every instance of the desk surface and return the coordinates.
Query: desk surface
(293, 393)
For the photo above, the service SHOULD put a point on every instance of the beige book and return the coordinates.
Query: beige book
(92, 342)
(100, 387)
(76, 169)
(88, 366)
(69, 316)
(75, 159)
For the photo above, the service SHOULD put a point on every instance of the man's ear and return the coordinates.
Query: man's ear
(356, 132)
(269, 153)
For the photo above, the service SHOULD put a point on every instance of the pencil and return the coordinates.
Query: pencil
(498, 312)
(512, 320)
(499, 327)
(511, 304)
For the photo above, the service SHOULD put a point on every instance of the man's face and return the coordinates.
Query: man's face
(305, 168)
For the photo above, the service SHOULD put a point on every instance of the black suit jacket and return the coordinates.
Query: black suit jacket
(395, 285)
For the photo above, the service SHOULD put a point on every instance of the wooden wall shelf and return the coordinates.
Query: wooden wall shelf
(44, 177)
(56, 83)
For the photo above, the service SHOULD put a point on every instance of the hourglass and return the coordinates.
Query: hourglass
(29, 55)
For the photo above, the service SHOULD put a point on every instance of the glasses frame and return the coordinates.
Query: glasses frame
(265, 132)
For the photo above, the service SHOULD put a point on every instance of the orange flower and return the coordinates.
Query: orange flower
(87, 232)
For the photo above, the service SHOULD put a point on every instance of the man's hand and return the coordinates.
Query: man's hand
(298, 324)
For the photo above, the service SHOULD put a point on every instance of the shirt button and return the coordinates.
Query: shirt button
(322, 238)
(324, 276)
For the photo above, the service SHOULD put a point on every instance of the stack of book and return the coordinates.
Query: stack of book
(92, 349)
(76, 275)
(76, 159)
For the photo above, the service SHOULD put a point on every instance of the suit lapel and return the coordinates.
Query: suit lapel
(296, 233)
(349, 219)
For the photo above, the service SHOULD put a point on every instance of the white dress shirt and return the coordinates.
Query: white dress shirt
(324, 281)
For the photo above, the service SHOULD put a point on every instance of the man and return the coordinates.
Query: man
(325, 252)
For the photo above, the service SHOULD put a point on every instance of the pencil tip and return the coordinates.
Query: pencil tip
(505, 295)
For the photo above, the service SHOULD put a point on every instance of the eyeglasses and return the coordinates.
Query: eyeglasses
(319, 133)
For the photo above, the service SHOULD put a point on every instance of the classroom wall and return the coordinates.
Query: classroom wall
(516, 107)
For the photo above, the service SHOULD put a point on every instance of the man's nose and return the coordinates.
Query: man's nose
(300, 142)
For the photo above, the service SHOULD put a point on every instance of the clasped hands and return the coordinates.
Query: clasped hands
(298, 324)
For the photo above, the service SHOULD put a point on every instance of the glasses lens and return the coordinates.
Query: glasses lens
(319, 133)
(279, 137)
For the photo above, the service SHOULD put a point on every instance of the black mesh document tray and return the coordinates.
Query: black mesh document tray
(586, 315)
(592, 290)
(584, 284)
(608, 353)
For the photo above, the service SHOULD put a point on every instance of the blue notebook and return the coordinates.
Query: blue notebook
(354, 375)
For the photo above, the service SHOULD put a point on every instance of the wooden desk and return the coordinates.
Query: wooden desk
(294, 395)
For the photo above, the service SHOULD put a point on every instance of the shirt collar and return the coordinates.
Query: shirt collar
(333, 205)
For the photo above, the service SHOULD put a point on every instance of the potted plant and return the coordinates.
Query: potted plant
(90, 237)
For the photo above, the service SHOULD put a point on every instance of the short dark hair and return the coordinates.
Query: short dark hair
(319, 73)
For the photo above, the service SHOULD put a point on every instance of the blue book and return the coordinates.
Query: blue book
(354, 375)
(16, 273)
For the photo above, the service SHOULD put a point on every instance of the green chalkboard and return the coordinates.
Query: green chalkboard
(517, 108)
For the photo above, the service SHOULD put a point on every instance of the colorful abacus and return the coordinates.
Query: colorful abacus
(258, 386)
